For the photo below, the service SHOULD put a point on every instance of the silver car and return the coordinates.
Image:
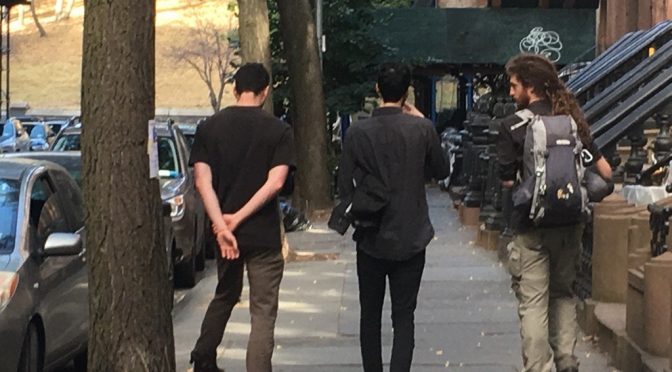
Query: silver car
(43, 274)
(14, 137)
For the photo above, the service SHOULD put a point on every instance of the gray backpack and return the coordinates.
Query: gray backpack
(551, 190)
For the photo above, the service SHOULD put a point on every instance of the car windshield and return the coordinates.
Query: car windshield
(9, 210)
(55, 127)
(68, 142)
(169, 164)
(73, 165)
(190, 140)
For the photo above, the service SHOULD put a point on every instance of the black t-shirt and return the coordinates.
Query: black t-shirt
(241, 145)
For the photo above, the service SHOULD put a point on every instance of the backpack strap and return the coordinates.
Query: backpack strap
(526, 115)
(539, 156)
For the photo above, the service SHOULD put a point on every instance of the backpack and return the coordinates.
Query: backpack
(551, 191)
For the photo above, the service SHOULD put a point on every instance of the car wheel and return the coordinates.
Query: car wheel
(185, 272)
(31, 352)
(80, 361)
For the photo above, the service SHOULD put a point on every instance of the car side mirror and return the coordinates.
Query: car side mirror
(62, 244)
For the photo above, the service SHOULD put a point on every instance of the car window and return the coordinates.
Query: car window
(71, 198)
(9, 211)
(68, 142)
(169, 165)
(55, 127)
(7, 129)
(46, 214)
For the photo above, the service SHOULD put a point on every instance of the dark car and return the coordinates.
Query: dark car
(57, 126)
(14, 137)
(178, 189)
(189, 131)
(41, 135)
(72, 162)
(43, 275)
(68, 139)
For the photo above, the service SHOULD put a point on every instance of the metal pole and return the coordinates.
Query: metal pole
(2, 51)
(8, 51)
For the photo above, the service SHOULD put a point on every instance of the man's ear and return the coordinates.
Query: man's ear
(235, 92)
(264, 93)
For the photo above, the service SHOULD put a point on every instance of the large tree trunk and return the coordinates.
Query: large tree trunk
(255, 39)
(33, 12)
(309, 119)
(130, 300)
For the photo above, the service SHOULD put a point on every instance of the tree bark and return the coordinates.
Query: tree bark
(130, 298)
(255, 38)
(33, 12)
(309, 119)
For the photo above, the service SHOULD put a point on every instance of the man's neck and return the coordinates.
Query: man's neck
(391, 104)
(248, 104)
(248, 99)
(534, 99)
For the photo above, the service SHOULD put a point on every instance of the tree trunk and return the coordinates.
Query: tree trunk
(22, 12)
(36, 20)
(58, 9)
(255, 37)
(309, 119)
(68, 9)
(130, 298)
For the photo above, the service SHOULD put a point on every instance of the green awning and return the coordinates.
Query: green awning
(487, 36)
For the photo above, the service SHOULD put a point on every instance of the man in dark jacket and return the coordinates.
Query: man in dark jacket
(542, 259)
(397, 147)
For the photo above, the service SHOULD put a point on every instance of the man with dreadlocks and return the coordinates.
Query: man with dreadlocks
(542, 258)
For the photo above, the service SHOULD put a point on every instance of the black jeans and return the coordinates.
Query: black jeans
(264, 272)
(405, 277)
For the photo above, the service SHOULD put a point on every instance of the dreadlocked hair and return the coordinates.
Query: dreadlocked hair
(538, 72)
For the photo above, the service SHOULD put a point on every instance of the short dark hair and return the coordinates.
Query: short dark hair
(251, 77)
(394, 79)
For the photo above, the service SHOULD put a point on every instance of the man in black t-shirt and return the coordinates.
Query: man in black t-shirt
(241, 158)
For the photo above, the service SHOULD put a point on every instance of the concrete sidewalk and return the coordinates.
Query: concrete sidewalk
(466, 318)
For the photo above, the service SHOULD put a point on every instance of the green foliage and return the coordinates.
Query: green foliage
(349, 64)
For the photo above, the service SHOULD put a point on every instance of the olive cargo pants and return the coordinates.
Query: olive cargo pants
(542, 263)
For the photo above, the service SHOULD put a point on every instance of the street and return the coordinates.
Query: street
(466, 318)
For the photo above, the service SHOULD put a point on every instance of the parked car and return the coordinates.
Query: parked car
(68, 139)
(177, 189)
(41, 135)
(188, 214)
(189, 131)
(57, 126)
(14, 136)
(72, 162)
(43, 274)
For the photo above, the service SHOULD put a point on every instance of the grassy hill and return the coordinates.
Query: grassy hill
(46, 71)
